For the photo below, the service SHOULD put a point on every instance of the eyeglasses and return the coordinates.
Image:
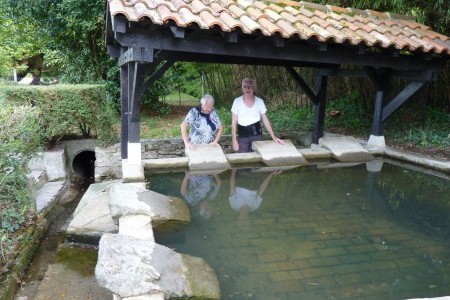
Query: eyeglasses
(247, 86)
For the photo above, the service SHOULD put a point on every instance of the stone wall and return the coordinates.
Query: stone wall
(108, 163)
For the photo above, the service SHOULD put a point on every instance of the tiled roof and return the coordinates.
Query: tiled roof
(291, 20)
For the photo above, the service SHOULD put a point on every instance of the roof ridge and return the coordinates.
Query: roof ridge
(339, 10)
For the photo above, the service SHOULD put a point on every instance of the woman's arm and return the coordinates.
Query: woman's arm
(234, 120)
(219, 133)
(187, 143)
(270, 130)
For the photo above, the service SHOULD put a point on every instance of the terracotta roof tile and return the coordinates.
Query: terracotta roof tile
(250, 24)
(260, 5)
(212, 21)
(287, 28)
(276, 8)
(244, 4)
(271, 14)
(236, 11)
(229, 20)
(255, 13)
(217, 8)
(269, 26)
(307, 32)
(225, 3)
(290, 19)
(292, 10)
(199, 6)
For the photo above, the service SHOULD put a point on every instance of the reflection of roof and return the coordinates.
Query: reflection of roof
(290, 20)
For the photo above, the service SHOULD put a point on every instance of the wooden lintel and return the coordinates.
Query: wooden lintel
(210, 46)
(142, 55)
(278, 41)
(177, 32)
(231, 37)
(395, 53)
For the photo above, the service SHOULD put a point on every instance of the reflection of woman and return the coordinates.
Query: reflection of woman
(199, 190)
(245, 200)
(204, 123)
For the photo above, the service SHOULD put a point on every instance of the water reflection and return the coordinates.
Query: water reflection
(329, 231)
(200, 190)
(246, 190)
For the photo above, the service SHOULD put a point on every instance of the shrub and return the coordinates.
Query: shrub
(80, 110)
(20, 137)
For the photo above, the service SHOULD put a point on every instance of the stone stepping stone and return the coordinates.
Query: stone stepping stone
(165, 163)
(207, 157)
(346, 149)
(274, 154)
(92, 217)
(130, 199)
(130, 267)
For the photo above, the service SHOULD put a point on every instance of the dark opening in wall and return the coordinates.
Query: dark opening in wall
(83, 165)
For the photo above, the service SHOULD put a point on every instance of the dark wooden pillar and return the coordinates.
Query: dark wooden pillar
(124, 110)
(319, 108)
(136, 74)
(381, 80)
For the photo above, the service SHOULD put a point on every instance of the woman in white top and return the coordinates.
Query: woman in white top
(247, 112)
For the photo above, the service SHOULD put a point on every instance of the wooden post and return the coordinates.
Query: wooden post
(319, 108)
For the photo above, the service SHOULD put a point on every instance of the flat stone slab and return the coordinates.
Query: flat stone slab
(130, 267)
(92, 217)
(315, 152)
(207, 157)
(164, 163)
(128, 199)
(48, 195)
(274, 154)
(346, 149)
(239, 158)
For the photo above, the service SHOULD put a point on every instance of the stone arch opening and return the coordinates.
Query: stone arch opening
(83, 165)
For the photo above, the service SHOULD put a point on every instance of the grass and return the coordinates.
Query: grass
(180, 99)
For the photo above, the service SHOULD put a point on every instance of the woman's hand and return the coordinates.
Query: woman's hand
(278, 141)
(235, 145)
(190, 146)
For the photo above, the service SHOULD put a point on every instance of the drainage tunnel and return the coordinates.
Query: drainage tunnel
(83, 165)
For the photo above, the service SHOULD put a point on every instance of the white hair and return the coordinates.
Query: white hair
(207, 98)
(253, 81)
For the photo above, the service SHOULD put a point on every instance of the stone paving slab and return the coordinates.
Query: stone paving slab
(274, 154)
(238, 158)
(346, 149)
(315, 152)
(92, 217)
(48, 196)
(164, 163)
(207, 157)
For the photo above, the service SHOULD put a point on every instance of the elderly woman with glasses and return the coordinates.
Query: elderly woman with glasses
(204, 123)
(247, 112)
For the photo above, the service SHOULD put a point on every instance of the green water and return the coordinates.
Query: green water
(317, 232)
